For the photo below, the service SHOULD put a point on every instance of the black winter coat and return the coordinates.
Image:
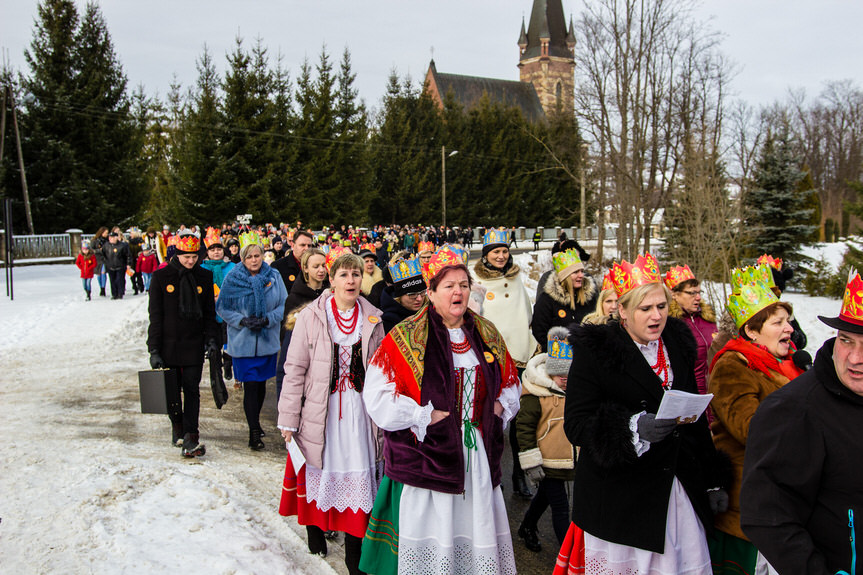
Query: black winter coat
(553, 309)
(618, 496)
(117, 256)
(392, 311)
(179, 341)
(803, 473)
(289, 268)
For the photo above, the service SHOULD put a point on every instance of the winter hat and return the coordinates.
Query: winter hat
(494, 239)
(559, 352)
(407, 276)
(85, 245)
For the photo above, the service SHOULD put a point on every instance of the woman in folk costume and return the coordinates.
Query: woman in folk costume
(645, 488)
(606, 303)
(564, 296)
(546, 455)
(321, 409)
(251, 302)
(754, 363)
(442, 387)
(686, 304)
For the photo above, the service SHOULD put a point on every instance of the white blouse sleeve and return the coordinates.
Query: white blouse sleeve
(392, 412)
(510, 399)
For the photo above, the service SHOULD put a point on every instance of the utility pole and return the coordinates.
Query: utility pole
(443, 183)
(10, 97)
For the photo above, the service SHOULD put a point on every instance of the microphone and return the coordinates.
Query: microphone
(802, 359)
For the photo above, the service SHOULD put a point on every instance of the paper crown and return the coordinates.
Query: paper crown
(752, 274)
(677, 275)
(495, 237)
(442, 258)
(463, 253)
(335, 253)
(767, 259)
(407, 276)
(749, 300)
(249, 238)
(425, 247)
(559, 348)
(367, 247)
(565, 260)
(608, 281)
(188, 243)
(172, 241)
(852, 301)
(325, 248)
(213, 238)
(628, 276)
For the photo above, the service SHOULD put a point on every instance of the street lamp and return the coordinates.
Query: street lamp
(443, 157)
(583, 207)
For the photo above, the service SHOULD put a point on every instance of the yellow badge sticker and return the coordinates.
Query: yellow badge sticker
(169, 288)
(373, 319)
(489, 358)
(561, 313)
(292, 277)
(200, 289)
(489, 295)
(268, 284)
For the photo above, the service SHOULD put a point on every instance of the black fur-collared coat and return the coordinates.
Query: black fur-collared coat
(618, 496)
(554, 307)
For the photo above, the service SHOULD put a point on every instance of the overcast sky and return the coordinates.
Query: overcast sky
(777, 44)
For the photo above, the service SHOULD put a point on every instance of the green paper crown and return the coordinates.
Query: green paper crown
(753, 274)
(749, 300)
(563, 260)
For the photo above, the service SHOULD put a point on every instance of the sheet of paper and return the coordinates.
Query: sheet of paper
(683, 406)
(297, 459)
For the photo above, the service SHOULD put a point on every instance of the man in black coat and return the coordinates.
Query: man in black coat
(117, 261)
(289, 266)
(802, 494)
(182, 327)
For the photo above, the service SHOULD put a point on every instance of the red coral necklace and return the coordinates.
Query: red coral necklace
(660, 368)
(346, 326)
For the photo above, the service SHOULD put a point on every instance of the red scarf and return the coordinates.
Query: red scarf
(759, 359)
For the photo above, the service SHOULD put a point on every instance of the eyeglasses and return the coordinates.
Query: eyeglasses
(417, 294)
(692, 293)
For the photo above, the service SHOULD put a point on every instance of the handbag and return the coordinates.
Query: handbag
(160, 391)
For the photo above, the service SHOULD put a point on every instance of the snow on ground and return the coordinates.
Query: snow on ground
(89, 484)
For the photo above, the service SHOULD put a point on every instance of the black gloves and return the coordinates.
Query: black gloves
(212, 348)
(254, 323)
(652, 429)
(718, 499)
(156, 361)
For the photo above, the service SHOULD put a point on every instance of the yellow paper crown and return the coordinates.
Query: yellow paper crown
(172, 241)
(559, 348)
(335, 253)
(677, 275)
(249, 238)
(752, 274)
(852, 301)
(628, 276)
(496, 237)
(425, 247)
(767, 259)
(213, 237)
(566, 259)
(442, 258)
(463, 253)
(750, 299)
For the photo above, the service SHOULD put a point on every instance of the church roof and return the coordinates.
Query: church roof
(547, 21)
(468, 90)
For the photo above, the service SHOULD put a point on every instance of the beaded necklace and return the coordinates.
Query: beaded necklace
(660, 368)
(346, 326)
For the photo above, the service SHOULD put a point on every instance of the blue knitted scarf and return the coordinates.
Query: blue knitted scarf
(241, 288)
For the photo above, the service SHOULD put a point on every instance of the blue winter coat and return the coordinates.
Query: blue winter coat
(237, 300)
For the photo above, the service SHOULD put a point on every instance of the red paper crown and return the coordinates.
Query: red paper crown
(369, 247)
(852, 301)
(425, 247)
(212, 238)
(628, 276)
(334, 254)
(188, 243)
(775, 264)
(677, 275)
(608, 281)
(442, 258)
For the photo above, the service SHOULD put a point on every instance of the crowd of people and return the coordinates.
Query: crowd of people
(400, 365)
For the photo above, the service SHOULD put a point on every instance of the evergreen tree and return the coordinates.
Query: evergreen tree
(776, 219)
(350, 158)
(81, 142)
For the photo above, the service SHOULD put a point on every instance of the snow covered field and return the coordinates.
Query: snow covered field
(89, 484)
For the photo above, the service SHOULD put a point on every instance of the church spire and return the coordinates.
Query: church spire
(546, 32)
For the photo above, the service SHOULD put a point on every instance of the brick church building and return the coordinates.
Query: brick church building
(546, 69)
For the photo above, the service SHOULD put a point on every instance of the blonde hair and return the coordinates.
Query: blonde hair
(596, 317)
(346, 261)
(634, 297)
(244, 253)
(576, 296)
(304, 259)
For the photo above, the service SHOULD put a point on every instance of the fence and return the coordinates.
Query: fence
(43, 246)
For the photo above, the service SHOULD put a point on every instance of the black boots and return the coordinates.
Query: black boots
(86, 291)
(102, 292)
(317, 543)
(177, 434)
(227, 366)
(531, 538)
(255, 442)
(192, 447)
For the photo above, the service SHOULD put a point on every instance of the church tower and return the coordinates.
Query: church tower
(547, 56)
